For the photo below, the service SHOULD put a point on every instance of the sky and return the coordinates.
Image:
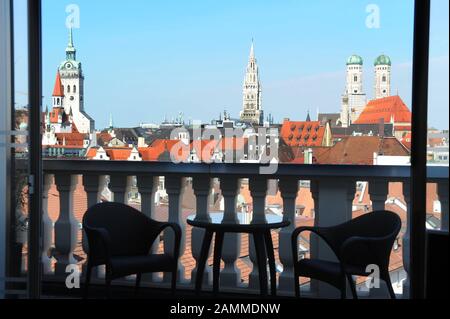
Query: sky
(147, 60)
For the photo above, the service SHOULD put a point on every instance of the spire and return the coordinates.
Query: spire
(252, 50)
(70, 50)
(308, 118)
(58, 90)
(111, 124)
(70, 45)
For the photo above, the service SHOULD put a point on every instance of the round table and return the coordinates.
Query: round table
(260, 230)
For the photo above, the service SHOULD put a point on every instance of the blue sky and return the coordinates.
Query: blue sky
(144, 60)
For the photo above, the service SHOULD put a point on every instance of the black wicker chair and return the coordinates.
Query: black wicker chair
(121, 237)
(366, 240)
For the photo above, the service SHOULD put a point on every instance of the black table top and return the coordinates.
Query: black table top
(243, 223)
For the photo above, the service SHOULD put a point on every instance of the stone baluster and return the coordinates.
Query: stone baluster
(119, 186)
(47, 226)
(258, 190)
(93, 186)
(289, 190)
(231, 274)
(406, 236)
(66, 227)
(443, 198)
(202, 189)
(378, 190)
(175, 186)
(147, 186)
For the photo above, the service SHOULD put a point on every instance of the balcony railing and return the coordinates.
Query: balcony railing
(332, 187)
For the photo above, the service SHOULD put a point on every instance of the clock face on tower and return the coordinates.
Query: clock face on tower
(68, 65)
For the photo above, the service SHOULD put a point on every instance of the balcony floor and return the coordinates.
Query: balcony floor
(59, 291)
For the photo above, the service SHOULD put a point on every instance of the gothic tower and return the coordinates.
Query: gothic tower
(72, 80)
(354, 98)
(382, 77)
(252, 108)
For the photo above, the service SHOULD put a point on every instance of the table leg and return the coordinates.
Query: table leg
(202, 260)
(217, 257)
(271, 257)
(258, 238)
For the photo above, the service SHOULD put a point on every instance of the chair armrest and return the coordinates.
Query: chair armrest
(177, 231)
(99, 244)
(319, 231)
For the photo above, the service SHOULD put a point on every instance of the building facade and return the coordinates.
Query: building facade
(354, 99)
(72, 81)
(252, 102)
(382, 77)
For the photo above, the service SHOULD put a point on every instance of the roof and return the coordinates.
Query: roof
(118, 154)
(333, 118)
(55, 113)
(383, 60)
(406, 140)
(387, 108)
(58, 90)
(359, 150)
(71, 139)
(302, 133)
(355, 60)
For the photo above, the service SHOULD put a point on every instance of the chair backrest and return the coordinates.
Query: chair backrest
(131, 232)
(376, 224)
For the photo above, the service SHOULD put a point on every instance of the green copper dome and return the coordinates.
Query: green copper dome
(355, 59)
(383, 60)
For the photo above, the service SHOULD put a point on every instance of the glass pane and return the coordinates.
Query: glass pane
(438, 121)
(18, 235)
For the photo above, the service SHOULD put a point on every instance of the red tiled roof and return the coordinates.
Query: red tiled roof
(406, 140)
(302, 133)
(91, 153)
(55, 113)
(71, 139)
(385, 109)
(118, 153)
(359, 150)
(105, 137)
(58, 90)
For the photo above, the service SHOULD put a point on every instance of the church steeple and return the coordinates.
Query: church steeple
(252, 109)
(252, 51)
(71, 52)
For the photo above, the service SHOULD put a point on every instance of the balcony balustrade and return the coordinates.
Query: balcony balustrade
(332, 187)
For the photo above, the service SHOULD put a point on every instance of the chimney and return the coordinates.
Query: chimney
(308, 156)
(141, 142)
(381, 128)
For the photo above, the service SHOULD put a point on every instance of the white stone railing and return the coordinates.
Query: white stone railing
(332, 188)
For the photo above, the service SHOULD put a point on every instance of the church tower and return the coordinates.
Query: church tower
(58, 92)
(354, 98)
(72, 80)
(252, 108)
(382, 77)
